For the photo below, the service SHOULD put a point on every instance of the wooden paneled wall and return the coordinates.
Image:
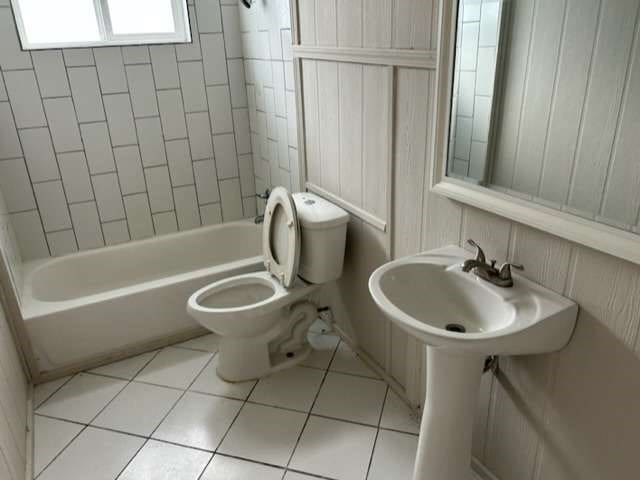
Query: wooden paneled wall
(570, 107)
(568, 416)
(13, 408)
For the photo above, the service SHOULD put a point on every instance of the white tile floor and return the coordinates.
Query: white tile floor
(166, 415)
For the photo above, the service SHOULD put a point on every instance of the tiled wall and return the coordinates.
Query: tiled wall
(100, 146)
(266, 39)
(473, 87)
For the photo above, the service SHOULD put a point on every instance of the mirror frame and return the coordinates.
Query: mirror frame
(599, 236)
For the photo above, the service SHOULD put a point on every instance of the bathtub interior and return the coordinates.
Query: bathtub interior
(134, 263)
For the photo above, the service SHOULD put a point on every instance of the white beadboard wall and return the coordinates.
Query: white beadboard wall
(567, 129)
(268, 64)
(566, 416)
(102, 146)
(13, 382)
(13, 407)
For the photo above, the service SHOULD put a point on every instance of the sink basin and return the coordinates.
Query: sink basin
(425, 293)
(462, 319)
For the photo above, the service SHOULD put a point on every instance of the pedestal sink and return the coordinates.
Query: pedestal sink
(462, 319)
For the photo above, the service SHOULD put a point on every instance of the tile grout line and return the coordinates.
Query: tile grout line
(375, 441)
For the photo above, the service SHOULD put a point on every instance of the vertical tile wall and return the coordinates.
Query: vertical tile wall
(473, 87)
(101, 146)
(266, 41)
(9, 251)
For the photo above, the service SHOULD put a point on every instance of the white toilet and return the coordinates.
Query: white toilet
(263, 318)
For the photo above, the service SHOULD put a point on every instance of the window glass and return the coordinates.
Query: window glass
(60, 21)
(141, 16)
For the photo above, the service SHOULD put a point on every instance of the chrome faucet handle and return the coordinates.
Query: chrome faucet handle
(505, 270)
(480, 257)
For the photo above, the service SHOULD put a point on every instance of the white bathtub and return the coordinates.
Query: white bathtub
(87, 305)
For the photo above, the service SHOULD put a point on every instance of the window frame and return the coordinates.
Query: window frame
(108, 38)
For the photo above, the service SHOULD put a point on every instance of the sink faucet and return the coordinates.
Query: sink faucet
(487, 271)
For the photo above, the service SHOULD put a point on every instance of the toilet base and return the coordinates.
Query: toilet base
(283, 346)
(242, 360)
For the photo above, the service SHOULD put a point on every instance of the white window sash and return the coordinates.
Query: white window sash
(182, 32)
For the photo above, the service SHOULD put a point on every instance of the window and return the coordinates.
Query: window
(82, 23)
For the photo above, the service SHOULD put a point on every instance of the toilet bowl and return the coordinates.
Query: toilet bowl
(262, 318)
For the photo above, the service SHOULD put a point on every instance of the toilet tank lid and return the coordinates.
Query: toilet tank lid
(315, 212)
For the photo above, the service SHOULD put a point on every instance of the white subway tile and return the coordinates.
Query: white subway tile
(15, 185)
(9, 141)
(3, 90)
(289, 79)
(62, 243)
(78, 57)
(165, 222)
(165, 67)
(136, 55)
(75, 177)
(279, 89)
(63, 124)
(108, 197)
(39, 154)
(287, 43)
(214, 58)
(120, 119)
(151, 141)
(283, 145)
(97, 146)
(193, 90)
(209, 16)
(211, 214)
(159, 188)
(249, 206)
(292, 120)
(172, 114)
(220, 109)
(130, 169)
(225, 155)
(86, 225)
(51, 73)
(186, 207)
(110, 69)
(206, 181)
(86, 94)
(115, 232)
(179, 161)
(486, 70)
(247, 180)
(237, 83)
(24, 96)
(295, 170)
(231, 26)
(142, 88)
(199, 135)
(138, 216)
(190, 51)
(275, 44)
(52, 205)
(482, 119)
(469, 46)
(231, 199)
(11, 54)
(241, 129)
(31, 239)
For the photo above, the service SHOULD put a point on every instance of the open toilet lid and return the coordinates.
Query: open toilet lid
(281, 237)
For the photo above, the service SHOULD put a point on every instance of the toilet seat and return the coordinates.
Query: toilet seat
(281, 237)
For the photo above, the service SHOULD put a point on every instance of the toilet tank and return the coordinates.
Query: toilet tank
(323, 228)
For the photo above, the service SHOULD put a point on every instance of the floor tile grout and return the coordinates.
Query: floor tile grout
(246, 400)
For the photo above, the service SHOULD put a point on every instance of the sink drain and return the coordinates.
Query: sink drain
(455, 327)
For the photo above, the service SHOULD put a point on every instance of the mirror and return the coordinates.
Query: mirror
(546, 104)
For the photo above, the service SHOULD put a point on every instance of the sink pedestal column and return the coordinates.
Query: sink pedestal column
(444, 446)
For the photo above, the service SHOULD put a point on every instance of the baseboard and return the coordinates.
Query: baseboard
(477, 466)
(28, 468)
